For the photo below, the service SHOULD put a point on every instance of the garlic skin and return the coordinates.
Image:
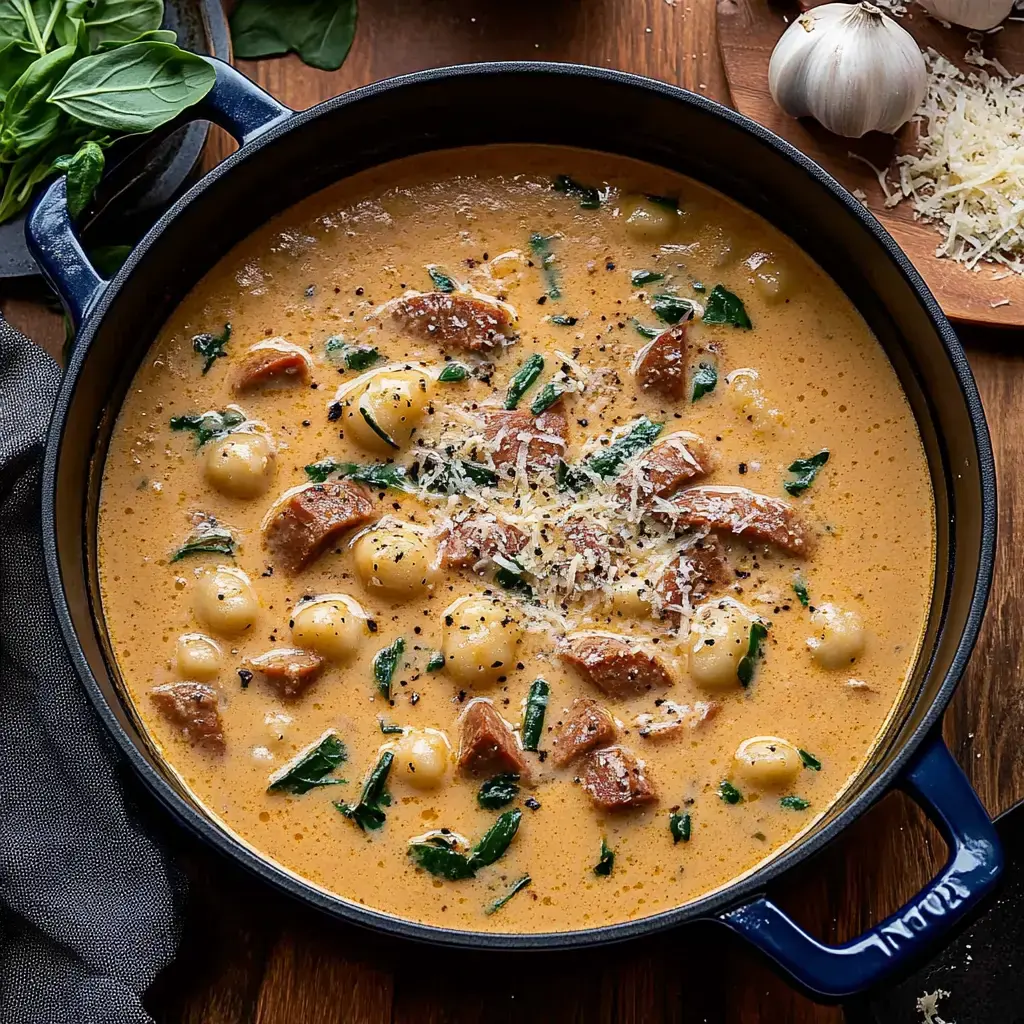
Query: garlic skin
(976, 14)
(850, 67)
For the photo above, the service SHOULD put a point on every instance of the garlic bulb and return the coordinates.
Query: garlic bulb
(976, 14)
(849, 66)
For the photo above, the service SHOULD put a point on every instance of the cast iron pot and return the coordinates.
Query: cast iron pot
(285, 156)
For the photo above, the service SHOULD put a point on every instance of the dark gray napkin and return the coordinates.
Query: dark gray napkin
(89, 902)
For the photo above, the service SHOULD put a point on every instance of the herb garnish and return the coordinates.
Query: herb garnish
(533, 714)
(438, 855)
(354, 357)
(498, 791)
(308, 770)
(209, 425)
(806, 470)
(704, 381)
(385, 661)
(564, 321)
(606, 861)
(380, 474)
(458, 475)
(435, 662)
(608, 461)
(800, 589)
(453, 373)
(589, 197)
(517, 886)
(679, 825)
(376, 428)
(795, 803)
(496, 840)
(441, 281)
(513, 579)
(640, 277)
(809, 760)
(745, 669)
(540, 246)
(546, 397)
(388, 729)
(211, 347)
(643, 330)
(367, 814)
(729, 793)
(670, 309)
(725, 308)
(523, 379)
(207, 539)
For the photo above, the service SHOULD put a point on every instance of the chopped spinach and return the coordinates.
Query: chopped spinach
(353, 357)
(729, 793)
(496, 839)
(453, 373)
(806, 470)
(795, 803)
(546, 397)
(439, 856)
(376, 428)
(518, 885)
(388, 729)
(368, 813)
(670, 309)
(680, 826)
(498, 791)
(800, 589)
(809, 760)
(458, 475)
(435, 662)
(209, 425)
(523, 379)
(725, 308)
(745, 669)
(669, 202)
(606, 861)
(589, 197)
(211, 347)
(385, 662)
(441, 281)
(533, 714)
(442, 861)
(380, 474)
(540, 246)
(564, 321)
(641, 277)
(608, 461)
(643, 330)
(207, 539)
(513, 579)
(704, 381)
(309, 769)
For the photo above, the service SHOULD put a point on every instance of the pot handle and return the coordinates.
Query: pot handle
(238, 105)
(936, 783)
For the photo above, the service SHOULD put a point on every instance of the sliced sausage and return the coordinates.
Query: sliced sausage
(690, 577)
(665, 469)
(288, 670)
(672, 718)
(518, 440)
(299, 528)
(194, 708)
(754, 517)
(661, 365)
(478, 538)
(454, 320)
(272, 362)
(612, 664)
(487, 746)
(588, 725)
(591, 542)
(616, 779)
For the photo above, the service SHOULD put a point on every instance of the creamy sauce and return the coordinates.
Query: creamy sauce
(822, 381)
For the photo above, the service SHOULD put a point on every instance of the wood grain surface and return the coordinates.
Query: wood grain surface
(747, 33)
(250, 957)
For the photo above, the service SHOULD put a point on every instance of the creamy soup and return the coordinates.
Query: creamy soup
(543, 544)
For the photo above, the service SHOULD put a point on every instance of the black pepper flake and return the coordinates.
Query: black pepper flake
(542, 755)
(310, 291)
(609, 266)
(371, 625)
(743, 468)
(461, 696)
(334, 412)
(414, 698)
(533, 803)
(245, 676)
(359, 291)
(542, 300)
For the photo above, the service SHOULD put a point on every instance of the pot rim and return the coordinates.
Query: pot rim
(708, 905)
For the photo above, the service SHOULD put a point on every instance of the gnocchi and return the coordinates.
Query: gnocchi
(383, 415)
(197, 656)
(767, 762)
(648, 220)
(333, 625)
(423, 758)
(719, 638)
(480, 640)
(225, 602)
(838, 639)
(240, 465)
(395, 558)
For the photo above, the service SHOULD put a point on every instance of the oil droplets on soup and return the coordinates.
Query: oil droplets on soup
(510, 539)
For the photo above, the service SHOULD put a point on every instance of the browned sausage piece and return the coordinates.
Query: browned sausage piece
(672, 718)
(288, 670)
(587, 726)
(193, 707)
(612, 664)
(691, 576)
(272, 363)
(754, 517)
(510, 432)
(301, 527)
(665, 468)
(487, 746)
(454, 320)
(591, 542)
(661, 366)
(478, 538)
(616, 779)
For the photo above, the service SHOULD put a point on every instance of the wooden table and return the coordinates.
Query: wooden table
(248, 956)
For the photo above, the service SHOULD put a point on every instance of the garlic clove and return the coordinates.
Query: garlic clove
(980, 15)
(850, 67)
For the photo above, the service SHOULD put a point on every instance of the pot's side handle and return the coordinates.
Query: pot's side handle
(941, 789)
(238, 105)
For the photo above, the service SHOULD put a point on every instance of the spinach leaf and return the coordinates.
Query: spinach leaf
(376, 427)
(606, 861)
(207, 539)
(390, 730)
(496, 839)
(209, 425)
(809, 760)
(806, 470)
(729, 793)
(354, 357)
(441, 281)
(608, 461)
(670, 309)
(14, 62)
(540, 246)
(679, 825)
(435, 662)
(498, 791)
(533, 714)
(669, 202)
(453, 373)
(84, 171)
(725, 308)
(135, 88)
(795, 803)
(368, 813)
(155, 36)
(384, 664)
(564, 321)
(800, 589)
(517, 886)
(641, 277)
(546, 397)
(590, 198)
(29, 120)
(643, 330)
(745, 669)
(514, 580)
(108, 259)
(704, 381)
(211, 347)
(458, 475)
(438, 855)
(309, 769)
(379, 475)
(114, 22)
(523, 379)
(319, 31)
(442, 861)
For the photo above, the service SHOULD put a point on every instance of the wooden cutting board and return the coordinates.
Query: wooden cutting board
(747, 33)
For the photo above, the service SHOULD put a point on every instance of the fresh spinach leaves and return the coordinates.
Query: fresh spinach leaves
(745, 669)
(439, 856)
(805, 471)
(670, 309)
(310, 768)
(680, 826)
(319, 31)
(809, 760)
(352, 357)
(211, 347)
(705, 380)
(209, 425)
(523, 379)
(369, 813)
(517, 886)
(384, 664)
(208, 538)
(725, 308)
(498, 791)
(383, 475)
(609, 460)
(533, 714)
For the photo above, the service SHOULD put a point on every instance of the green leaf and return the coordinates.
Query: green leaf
(208, 425)
(384, 664)
(29, 120)
(308, 770)
(679, 825)
(121, 21)
(83, 171)
(319, 31)
(156, 36)
(496, 839)
(809, 760)
(498, 791)
(515, 581)
(442, 861)
(725, 308)
(729, 793)
(385, 475)
(22, 177)
(458, 475)
(441, 281)
(353, 357)
(135, 88)
(800, 589)
(670, 309)
(368, 813)
(207, 539)
(523, 379)
(641, 277)
(390, 730)
(564, 321)
(745, 669)
(643, 330)
(606, 861)
(376, 428)
(435, 662)
(14, 62)
(453, 373)
(590, 198)
(806, 470)
(533, 714)
(211, 347)
(704, 381)
(540, 246)
(517, 886)
(546, 397)
(108, 259)
(12, 25)
(608, 461)
(669, 202)
(795, 803)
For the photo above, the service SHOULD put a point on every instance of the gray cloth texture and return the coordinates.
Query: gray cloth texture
(90, 902)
